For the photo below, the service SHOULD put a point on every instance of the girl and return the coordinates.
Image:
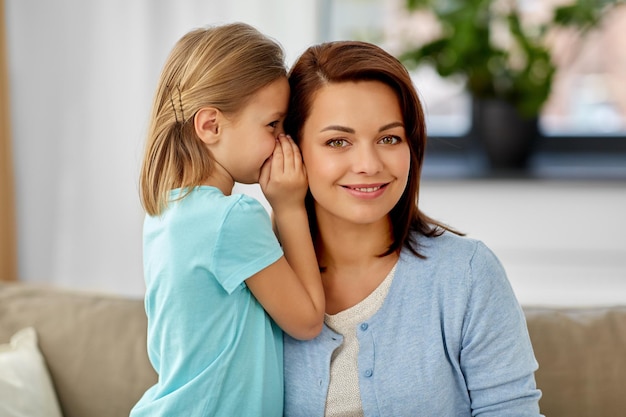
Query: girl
(212, 262)
(420, 320)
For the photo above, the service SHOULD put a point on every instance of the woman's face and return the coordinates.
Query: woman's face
(355, 151)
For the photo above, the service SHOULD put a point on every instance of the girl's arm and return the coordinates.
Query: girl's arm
(290, 289)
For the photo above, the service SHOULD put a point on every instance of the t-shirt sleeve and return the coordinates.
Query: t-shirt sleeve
(246, 245)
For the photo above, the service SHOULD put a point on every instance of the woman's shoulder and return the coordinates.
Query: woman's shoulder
(451, 252)
(445, 244)
(450, 264)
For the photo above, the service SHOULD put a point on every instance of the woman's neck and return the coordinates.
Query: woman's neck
(353, 246)
(350, 257)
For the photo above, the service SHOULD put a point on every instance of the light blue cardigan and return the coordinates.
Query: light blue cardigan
(449, 340)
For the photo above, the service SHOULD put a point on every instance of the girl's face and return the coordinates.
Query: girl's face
(250, 137)
(355, 151)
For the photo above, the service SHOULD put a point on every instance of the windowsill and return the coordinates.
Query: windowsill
(543, 165)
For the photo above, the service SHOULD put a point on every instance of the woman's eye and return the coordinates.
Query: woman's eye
(337, 143)
(274, 124)
(389, 140)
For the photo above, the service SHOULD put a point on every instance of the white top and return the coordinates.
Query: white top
(344, 398)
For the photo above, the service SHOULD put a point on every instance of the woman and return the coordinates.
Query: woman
(420, 320)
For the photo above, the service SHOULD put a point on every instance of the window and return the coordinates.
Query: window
(584, 118)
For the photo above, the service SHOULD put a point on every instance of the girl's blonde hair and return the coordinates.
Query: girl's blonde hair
(221, 67)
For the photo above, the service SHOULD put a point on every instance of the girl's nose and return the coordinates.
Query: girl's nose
(366, 160)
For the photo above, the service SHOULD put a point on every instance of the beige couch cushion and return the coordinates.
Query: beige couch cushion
(25, 386)
(94, 345)
(582, 360)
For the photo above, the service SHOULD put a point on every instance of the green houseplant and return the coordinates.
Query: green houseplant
(506, 63)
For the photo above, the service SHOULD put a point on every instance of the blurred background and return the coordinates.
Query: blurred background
(77, 79)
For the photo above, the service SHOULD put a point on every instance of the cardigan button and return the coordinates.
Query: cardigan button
(364, 326)
(369, 373)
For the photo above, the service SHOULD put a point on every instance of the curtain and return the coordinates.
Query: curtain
(8, 262)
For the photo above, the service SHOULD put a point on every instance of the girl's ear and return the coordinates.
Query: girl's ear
(207, 124)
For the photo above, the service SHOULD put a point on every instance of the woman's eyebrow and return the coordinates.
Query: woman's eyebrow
(391, 126)
(339, 128)
(350, 130)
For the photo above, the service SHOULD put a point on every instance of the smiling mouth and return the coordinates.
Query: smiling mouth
(369, 189)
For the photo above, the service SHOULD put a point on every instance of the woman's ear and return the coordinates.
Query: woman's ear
(207, 124)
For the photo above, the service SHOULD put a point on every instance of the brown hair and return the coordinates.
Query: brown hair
(344, 61)
(222, 67)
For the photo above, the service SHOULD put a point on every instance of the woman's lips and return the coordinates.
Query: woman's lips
(366, 191)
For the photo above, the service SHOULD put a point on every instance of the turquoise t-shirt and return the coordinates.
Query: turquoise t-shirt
(215, 349)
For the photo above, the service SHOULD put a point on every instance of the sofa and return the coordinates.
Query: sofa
(94, 348)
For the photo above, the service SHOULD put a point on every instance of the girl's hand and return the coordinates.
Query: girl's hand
(290, 289)
(283, 176)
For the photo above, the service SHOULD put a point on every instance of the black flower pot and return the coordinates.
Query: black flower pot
(507, 139)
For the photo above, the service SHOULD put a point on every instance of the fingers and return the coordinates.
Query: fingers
(277, 159)
(297, 156)
(287, 152)
(266, 172)
(283, 177)
(291, 159)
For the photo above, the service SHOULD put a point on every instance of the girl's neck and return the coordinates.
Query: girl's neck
(219, 178)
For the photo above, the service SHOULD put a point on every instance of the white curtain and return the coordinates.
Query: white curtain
(82, 74)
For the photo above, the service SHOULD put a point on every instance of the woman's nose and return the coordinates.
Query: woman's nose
(367, 160)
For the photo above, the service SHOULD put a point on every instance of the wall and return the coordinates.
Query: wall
(562, 242)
